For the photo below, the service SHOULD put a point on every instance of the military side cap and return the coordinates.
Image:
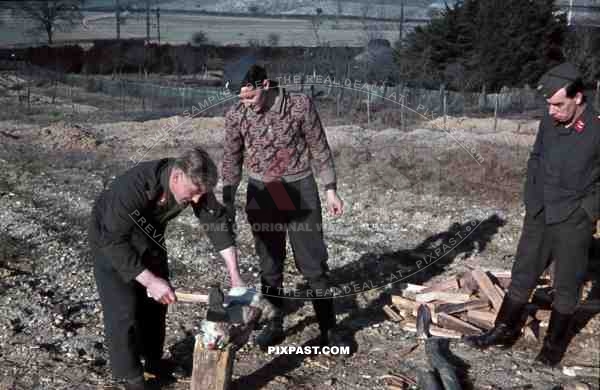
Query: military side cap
(235, 72)
(556, 78)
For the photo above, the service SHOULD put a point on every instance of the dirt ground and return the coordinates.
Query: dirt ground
(405, 192)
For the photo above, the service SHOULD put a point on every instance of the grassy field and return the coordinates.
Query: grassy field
(223, 30)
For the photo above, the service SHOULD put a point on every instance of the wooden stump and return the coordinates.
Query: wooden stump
(212, 368)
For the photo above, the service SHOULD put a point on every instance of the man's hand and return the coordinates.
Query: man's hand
(157, 288)
(237, 281)
(597, 232)
(335, 206)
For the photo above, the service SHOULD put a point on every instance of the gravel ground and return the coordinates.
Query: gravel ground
(405, 193)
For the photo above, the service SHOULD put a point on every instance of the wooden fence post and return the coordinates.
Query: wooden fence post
(483, 99)
(496, 111)
(369, 106)
(338, 101)
(445, 104)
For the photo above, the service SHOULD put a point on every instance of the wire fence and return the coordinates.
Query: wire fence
(398, 105)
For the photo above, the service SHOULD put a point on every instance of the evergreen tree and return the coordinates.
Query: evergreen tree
(487, 42)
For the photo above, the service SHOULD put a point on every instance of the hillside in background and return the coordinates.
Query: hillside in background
(182, 18)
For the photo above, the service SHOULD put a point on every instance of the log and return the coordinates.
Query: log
(449, 284)
(482, 319)
(212, 369)
(448, 297)
(411, 287)
(467, 283)
(411, 290)
(487, 288)
(411, 306)
(448, 321)
(453, 308)
(404, 303)
(191, 297)
(500, 290)
(392, 314)
(504, 282)
(501, 274)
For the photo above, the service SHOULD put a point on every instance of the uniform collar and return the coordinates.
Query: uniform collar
(165, 196)
(578, 126)
(278, 106)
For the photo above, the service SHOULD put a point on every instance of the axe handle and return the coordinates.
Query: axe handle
(191, 297)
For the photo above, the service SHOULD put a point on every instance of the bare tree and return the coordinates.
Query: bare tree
(365, 8)
(50, 15)
(118, 15)
(339, 11)
(315, 22)
(273, 39)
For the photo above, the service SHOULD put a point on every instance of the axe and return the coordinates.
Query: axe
(215, 299)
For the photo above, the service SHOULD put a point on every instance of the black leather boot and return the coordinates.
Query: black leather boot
(507, 327)
(556, 340)
(272, 332)
(325, 318)
(331, 334)
(135, 384)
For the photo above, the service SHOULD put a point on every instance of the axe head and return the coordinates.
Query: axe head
(216, 312)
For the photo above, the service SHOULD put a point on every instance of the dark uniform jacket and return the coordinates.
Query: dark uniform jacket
(563, 171)
(131, 216)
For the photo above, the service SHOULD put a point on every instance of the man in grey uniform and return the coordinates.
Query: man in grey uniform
(562, 204)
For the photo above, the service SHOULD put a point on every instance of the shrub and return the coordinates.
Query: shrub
(273, 39)
(199, 38)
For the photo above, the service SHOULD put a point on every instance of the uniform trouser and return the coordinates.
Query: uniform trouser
(293, 208)
(567, 243)
(134, 324)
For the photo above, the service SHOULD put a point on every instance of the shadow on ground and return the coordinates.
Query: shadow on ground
(418, 265)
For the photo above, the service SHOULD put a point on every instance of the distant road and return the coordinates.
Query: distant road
(249, 15)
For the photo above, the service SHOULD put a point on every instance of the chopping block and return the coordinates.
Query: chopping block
(230, 325)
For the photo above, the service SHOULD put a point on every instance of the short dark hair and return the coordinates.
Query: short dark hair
(255, 76)
(575, 87)
(197, 164)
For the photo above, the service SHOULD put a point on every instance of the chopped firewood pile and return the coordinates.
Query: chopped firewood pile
(466, 304)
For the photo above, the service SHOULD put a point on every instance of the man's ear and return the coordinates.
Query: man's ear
(266, 84)
(578, 98)
(177, 174)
